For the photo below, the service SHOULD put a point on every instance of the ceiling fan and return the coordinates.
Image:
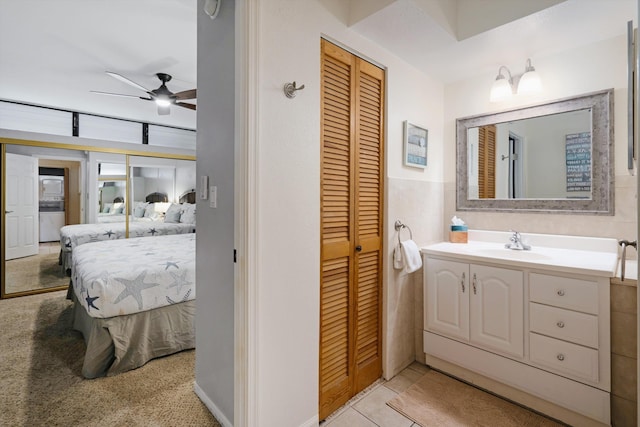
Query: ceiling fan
(163, 97)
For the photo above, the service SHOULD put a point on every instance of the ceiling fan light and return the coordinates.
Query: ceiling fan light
(163, 102)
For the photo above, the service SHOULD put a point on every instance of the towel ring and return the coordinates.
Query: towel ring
(399, 226)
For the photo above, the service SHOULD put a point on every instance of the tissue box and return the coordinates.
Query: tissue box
(458, 234)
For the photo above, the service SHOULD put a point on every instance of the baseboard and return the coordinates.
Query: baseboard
(211, 406)
(312, 422)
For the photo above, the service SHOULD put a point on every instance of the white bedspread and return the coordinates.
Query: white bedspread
(119, 277)
(72, 236)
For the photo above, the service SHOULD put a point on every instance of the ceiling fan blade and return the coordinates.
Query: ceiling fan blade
(127, 81)
(186, 105)
(120, 94)
(186, 94)
(164, 110)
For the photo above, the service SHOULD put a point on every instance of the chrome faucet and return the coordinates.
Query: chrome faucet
(515, 243)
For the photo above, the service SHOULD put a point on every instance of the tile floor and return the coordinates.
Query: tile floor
(370, 409)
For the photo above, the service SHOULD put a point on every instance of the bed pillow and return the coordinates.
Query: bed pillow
(139, 209)
(188, 214)
(149, 211)
(173, 214)
(106, 208)
(117, 208)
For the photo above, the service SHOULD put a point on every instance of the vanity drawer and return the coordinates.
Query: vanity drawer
(574, 294)
(564, 324)
(564, 357)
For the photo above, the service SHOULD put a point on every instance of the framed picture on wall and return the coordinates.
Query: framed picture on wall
(415, 145)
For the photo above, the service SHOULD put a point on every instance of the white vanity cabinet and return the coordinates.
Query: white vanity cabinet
(534, 321)
(478, 304)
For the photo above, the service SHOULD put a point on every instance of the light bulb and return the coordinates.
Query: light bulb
(162, 102)
(500, 90)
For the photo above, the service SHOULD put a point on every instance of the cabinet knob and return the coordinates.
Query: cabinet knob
(560, 324)
(358, 248)
(560, 292)
(560, 357)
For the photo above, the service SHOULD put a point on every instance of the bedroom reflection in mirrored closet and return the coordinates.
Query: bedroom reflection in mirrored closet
(44, 190)
(48, 188)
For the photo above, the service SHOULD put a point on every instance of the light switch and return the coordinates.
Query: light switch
(204, 185)
(213, 196)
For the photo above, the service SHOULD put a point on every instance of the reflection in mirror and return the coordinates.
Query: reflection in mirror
(546, 157)
(46, 190)
(43, 192)
(554, 157)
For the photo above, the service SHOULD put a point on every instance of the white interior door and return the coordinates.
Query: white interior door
(21, 207)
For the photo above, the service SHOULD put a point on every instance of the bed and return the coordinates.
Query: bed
(134, 300)
(153, 217)
(72, 236)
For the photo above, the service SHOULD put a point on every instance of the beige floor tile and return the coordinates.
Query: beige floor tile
(350, 418)
(403, 380)
(420, 367)
(374, 407)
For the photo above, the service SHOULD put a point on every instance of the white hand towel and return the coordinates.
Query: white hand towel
(398, 264)
(411, 256)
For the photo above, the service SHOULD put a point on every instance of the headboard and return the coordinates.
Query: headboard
(188, 196)
(156, 197)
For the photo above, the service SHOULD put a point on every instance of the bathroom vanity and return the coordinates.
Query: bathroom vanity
(537, 321)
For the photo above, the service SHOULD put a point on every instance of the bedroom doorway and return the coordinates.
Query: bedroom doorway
(352, 148)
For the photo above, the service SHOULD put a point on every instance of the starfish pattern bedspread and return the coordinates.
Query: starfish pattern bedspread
(119, 277)
(72, 236)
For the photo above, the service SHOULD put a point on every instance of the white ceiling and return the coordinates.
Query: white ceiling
(54, 52)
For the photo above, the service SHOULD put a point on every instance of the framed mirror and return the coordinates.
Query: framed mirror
(554, 157)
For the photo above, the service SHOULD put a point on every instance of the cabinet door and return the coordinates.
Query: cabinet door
(497, 309)
(446, 301)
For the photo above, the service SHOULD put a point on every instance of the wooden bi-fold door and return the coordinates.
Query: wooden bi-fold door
(352, 138)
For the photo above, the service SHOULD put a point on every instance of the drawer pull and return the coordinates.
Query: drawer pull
(560, 324)
(462, 282)
(560, 292)
(560, 357)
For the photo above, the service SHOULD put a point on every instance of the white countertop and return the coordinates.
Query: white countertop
(570, 254)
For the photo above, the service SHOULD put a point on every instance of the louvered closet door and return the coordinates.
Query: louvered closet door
(487, 162)
(351, 221)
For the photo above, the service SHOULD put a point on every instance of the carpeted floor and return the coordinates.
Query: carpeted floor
(41, 382)
(437, 400)
(35, 272)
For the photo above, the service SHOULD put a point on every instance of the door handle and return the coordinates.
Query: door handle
(358, 248)
(8, 212)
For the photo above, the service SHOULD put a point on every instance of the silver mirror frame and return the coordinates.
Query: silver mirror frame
(602, 197)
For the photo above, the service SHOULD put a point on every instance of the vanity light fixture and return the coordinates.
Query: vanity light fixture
(530, 80)
(503, 88)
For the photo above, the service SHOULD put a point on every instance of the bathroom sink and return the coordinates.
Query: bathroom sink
(513, 254)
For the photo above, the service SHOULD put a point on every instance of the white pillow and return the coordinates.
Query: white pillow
(188, 214)
(106, 208)
(173, 213)
(117, 208)
(149, 210)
